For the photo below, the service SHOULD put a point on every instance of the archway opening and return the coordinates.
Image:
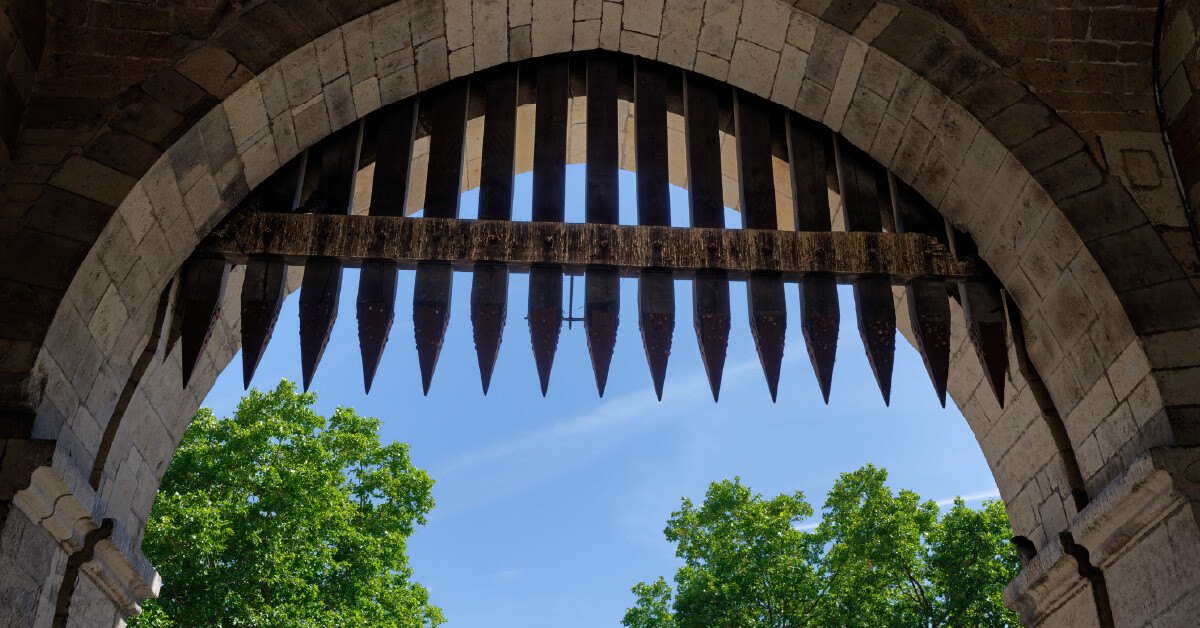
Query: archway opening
(549, 509)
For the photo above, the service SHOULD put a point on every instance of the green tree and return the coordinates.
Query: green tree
(877, 558)
(277, 517)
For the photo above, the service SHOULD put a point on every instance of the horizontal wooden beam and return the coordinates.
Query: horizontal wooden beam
(575, 246)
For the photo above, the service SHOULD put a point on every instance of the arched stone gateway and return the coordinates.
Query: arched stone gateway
(1033, 130)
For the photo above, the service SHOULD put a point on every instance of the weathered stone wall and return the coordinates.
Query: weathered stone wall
(33, 569)
(1179, 61)
(22, 35)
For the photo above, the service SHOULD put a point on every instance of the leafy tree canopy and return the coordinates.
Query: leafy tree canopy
(877, 558)
(276, 516)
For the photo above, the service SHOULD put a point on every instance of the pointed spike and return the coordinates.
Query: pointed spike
(263, 291)
(877, 327)
(710, 310)
(545, 318)
(983, 309)
(656, 306)
(489, 309)
(820, 319)
(601, 314)
(376, 310)
(319, 294)
(768, 324)
(431, 315)
(929, 313)
(203, 291)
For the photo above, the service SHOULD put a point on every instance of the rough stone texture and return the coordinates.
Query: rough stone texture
(1028, 124)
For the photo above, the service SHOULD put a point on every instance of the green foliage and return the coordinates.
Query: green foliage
(877, 558)
(277, 517)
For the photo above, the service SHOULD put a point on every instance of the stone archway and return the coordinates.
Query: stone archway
(1097, 374)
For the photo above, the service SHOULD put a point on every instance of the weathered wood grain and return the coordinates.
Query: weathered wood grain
(651, 86)
(352, 239)
(397, 129)
(499, 145)
(447, 140)
(701, 123)
(550, 139)
(600, 187)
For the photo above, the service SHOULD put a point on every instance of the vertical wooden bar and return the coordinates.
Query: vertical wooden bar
(549, 198)
(201, 294)
(820, 314)
(983, 311)
(339, 170)
(602, 158)
(323, 277)
(376, 305)
(397, 130)
(499, 145)
(756, 182)
(710, 289)
(264, 285)
(550, 140)
(602, 293)
(701, 125)
(447, 138)
(652, 82)
(928, 302)
(431, 293)
(489, 282)
(858, 182)
(656, 287)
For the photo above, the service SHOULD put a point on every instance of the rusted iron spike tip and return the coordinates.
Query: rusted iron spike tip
(545, 318)
(768, 325)
(929, 311)
(376, 311)
(656, 306)
(489, 309)
(263, 290)
(601, 316)
(820, 319)
(319, 294)
(431, 315)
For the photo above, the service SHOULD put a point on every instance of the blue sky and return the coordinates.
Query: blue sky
(549, 510)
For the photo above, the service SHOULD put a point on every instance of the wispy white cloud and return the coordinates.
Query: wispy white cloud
(508, 467)
(506, 575)
(971, 497)
(494, 472)
(942, 503)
